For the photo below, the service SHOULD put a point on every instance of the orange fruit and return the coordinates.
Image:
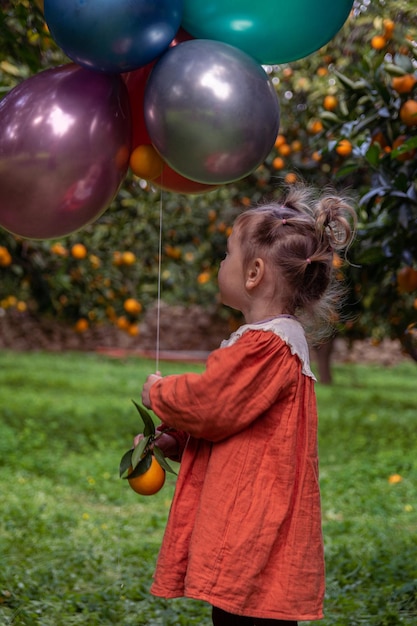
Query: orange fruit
(146, 162)
(315, 126)
(81, 325)
(132, 306)
(394, 479)
(133, 330)
(117, 258)
(291, 178)
(379, 137)
(79, 251)
(278, 163)
(5, 257)
(280, 140)
(408, 113)
(405, 156)
(407, 279)
(122, 322)
(378, 42)
(149, 482)
(284, 149)
(389, 26)
(403, 84)
(95, 261)
(59, 249)
(296, 145)
(322, 71)
(173, 252)
(330, 103)
(337, 261)
(203, 278)
(128, 258)
(344, 147)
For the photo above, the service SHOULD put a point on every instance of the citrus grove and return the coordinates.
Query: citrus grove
(348, 119)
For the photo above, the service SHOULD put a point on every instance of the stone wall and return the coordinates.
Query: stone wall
(190, 330)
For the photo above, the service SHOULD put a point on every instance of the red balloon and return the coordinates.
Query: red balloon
(136, 82)
(172, 181)
(181, 36)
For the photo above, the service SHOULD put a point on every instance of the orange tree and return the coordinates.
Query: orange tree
(349, 119)
(109, 270)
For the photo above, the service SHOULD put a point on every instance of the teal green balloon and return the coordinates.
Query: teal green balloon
(271, 31)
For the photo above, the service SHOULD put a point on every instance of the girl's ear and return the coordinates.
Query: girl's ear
(255, 273)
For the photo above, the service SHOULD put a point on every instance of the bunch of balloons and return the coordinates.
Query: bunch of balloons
(173, 88)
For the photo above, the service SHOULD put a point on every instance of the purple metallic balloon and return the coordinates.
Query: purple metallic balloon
(65, 138)
(211, 111)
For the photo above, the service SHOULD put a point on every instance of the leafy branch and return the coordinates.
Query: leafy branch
(137, 460)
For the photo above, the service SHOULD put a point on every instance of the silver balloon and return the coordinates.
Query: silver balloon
(65, 137)
(211, 111)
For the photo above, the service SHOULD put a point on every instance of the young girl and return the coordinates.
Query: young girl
(244, 530)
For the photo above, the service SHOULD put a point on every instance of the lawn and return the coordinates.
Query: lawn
(77, 546)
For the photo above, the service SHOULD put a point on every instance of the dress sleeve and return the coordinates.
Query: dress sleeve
(239, 384)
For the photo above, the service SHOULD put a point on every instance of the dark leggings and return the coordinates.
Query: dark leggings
(221, 618)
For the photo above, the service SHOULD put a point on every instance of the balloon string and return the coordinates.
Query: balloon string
(158, 307)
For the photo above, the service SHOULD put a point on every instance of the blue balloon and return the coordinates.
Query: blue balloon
(113, 36)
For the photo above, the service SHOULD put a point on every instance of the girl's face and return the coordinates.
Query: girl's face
(231, 275)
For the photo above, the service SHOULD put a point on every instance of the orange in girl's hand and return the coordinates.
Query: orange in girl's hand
(145, 466)
(149, 482)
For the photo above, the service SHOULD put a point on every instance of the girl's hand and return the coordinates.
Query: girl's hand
(151, 380)
(166, 442)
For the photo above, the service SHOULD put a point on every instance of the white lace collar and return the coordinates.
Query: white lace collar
(289, 329)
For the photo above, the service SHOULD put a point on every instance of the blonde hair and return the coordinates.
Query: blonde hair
(299, 236)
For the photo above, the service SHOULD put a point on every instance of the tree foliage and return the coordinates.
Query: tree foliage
(342, 124)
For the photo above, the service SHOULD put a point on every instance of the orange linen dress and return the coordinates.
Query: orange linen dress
(244, 529)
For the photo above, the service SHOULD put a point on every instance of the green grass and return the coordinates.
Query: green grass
(77, 546)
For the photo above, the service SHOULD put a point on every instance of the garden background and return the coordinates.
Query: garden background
(76, 545)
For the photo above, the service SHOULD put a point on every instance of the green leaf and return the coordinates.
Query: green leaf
(126, 462)
(347, 169)
(371, 255)
(149, 426)
(140, 449)
(394, 70)
(329, 116)
(408, 145)
(160, 457)
(142, 466)
(350, 84)
(404, 62)
(372, 154)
